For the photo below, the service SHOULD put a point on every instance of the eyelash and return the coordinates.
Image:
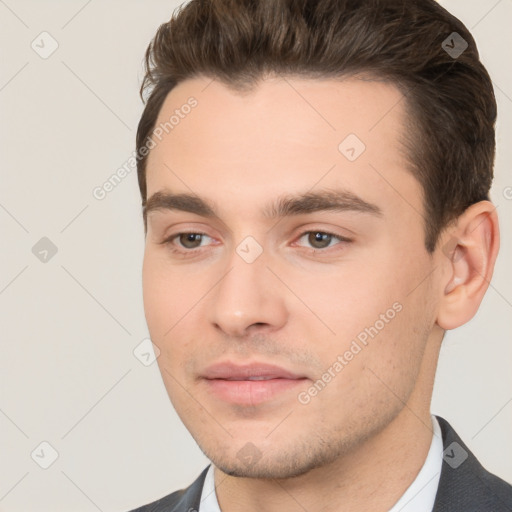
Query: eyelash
(169, 241)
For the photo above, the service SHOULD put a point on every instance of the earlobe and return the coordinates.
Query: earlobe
(468, 262)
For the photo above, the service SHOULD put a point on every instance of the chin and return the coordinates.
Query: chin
(270, 470)
(274, 462)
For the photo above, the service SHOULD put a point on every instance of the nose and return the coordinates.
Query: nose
(248, 298)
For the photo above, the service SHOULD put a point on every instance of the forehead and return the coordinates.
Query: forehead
(305, 111)
(286, 134)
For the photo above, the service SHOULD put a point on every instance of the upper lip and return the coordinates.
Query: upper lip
(232, 371)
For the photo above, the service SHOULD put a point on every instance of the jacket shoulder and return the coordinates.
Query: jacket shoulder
(464, 483)
(184, 500)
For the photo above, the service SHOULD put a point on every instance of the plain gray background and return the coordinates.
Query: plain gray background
(69, 325)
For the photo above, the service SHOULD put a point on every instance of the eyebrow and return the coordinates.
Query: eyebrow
(284, 206)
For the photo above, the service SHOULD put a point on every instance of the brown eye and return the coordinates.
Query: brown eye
(186, 243)
(322, 241)
(319, 239)
(190, 240)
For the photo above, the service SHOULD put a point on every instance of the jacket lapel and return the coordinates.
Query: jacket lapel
(464, 484)
(191, 496)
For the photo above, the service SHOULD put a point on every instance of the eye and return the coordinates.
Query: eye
(186, 240)
(190, 242)
(320, 240)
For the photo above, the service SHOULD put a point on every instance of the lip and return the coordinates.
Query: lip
(234, 383)
(232, 371)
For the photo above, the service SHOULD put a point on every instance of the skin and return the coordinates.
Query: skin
(300, 308)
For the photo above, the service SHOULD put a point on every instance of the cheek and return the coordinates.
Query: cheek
(167, 292)
(153, 294)
(374, 321)
(345, 300)
(375, 376)
(172, 304)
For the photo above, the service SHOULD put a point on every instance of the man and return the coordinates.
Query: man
(314, 178)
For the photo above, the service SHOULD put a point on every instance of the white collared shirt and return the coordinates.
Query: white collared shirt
(419, 496)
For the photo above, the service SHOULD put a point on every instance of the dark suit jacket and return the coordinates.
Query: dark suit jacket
(463, 486)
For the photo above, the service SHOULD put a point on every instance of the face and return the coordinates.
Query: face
(291, 295)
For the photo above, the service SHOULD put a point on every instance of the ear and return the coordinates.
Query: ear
(467, 254)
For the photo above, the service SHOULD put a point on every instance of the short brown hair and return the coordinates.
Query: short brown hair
(450, 98)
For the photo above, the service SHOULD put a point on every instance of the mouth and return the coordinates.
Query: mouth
(261, 377)
(250, 384)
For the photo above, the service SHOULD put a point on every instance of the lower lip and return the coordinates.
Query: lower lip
(251, 392)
